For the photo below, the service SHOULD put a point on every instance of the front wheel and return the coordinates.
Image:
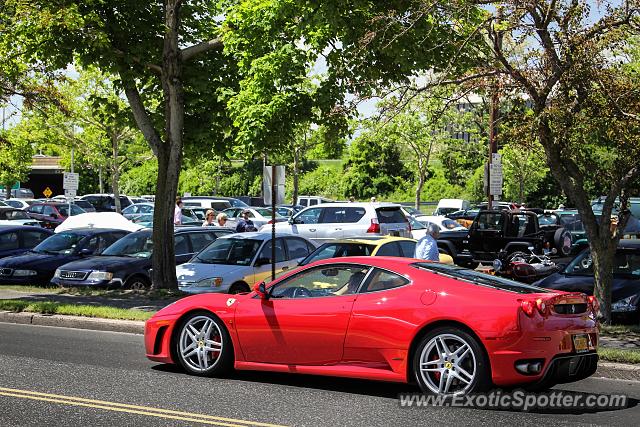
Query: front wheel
(449, 361)
(203, 345)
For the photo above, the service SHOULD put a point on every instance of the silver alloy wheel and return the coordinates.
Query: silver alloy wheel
(448, 364)
(200, 343)
(138, 285)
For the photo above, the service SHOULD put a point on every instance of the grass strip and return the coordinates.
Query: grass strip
(619, 329)
(50, 307)
(619, 355)
(31, 289)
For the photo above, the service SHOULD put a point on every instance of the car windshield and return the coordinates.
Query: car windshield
(267, 212)
(75, 210)
(62, 243)
(547, 220)
(479, 278)
(10, 215)
(237, 203)
(416, 225)
(413, 211)
(445, 211)
(135, 245)
(336, 250)
(626, 263)
(229, 251)
(572, 222)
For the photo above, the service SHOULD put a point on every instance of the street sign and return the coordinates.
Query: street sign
(495, 179)
(266, 185)
(47, 192)
(496, 158)
(71, 181)
(70, 194)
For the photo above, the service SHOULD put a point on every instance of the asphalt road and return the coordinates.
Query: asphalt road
(59, 377)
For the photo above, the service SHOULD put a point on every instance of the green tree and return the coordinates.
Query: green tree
(524, 168)
(15, 159)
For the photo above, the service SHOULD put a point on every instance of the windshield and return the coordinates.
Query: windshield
(11, 215)
(229, 251)
(62, 243)
(479, 278)
(413, 211)
(266, 212)
(445, 211)
(626, 264)
(75, 210)
(137, 245)
(546, 220)
(336, 250)
(416, 225)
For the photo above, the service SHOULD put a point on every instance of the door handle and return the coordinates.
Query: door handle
(312, 229)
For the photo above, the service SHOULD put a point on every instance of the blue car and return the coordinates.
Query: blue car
(127, 262)
(37, 266)
(18, 239)
(577, 276)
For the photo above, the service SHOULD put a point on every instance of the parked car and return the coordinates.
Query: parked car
(259, 216)
(288, 210)
(201, 213)
(39, 265)
(442, 222)
(106, 202)
(447, 206)
(88, 207)
(340, 220)
(13, 216)
(232, 264)
(137, 209)
(385, 319)
(22, 193)
(464, 217)
(127, 263)
(18, 239)
(19, 203)
(368, 246)
(307, 201)
(52, 214)
(216, 203)
(578, 276)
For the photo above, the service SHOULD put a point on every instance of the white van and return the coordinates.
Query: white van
(206, 202)
(446, 206)
(307, 201)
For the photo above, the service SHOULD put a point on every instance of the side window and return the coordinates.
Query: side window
(309, 216)
(297, 248)
(266, 250)
(389, 249)
(408, 248)
(201, 240)
(48, 210)
(313, 202)
(107, 240)
(181, 244)
(323, 281)
(354, 214)
(9, 241)
(31, 239)
(490, 221)
(382, 280)
(37, 209)
(91, 244)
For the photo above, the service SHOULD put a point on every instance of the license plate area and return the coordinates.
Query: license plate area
(581, 343)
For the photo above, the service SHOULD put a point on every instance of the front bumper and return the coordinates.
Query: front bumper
(157, 334)
(114, 283)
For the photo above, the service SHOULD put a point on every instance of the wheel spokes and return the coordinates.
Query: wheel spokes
(200, 343)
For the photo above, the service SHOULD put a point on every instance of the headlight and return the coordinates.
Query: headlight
(626, 304)
(24, 273)
(100, 275)
(210, 282)
(57, 274)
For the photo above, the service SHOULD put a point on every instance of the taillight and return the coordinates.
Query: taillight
(542, 306)
(270, 221)
(593, 303)
(374, 227)
(529, 307)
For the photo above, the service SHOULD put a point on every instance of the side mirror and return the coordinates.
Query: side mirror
(262, 261)
(86, 251)
(261, 290)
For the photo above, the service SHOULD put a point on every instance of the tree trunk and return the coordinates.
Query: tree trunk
(115, 172)
(100, 181)
(8, 190)
(296, 171)
(169, 153)
(603, 255)
(421, 180)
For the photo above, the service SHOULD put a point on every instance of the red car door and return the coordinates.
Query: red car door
(304, 320)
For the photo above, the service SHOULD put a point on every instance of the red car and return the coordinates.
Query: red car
(450, 329)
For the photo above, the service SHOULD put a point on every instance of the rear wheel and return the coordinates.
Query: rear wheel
(137, 283)
(450, 361)
(562, 241)
(202, 345)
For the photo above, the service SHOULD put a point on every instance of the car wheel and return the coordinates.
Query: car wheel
(203, 345)
(450, 361)
(137, 283)
(237, 288)
(562, 241)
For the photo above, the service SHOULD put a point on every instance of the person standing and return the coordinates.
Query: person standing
(209, 219)
(177, 212)
(245, 224)
(221, 219)
(427, 246)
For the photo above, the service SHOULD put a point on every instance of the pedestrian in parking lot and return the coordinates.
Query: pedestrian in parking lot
(245, 224)
(177, 212)
(209, 219)
(221, 219)
(427, 246)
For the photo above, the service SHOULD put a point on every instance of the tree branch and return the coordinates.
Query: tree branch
(195, 50)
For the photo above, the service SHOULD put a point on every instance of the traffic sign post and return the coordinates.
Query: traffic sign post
(70, 185)
(47, 192)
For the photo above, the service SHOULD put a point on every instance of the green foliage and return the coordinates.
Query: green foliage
(325, 181)
(15, 158)
(523, 170)
(140, 179)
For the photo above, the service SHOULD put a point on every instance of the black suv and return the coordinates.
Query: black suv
(127, 262)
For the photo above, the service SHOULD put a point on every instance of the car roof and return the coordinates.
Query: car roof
(9, 228)
(372, 240)
(629, 243)
(92, 230)
(259, 235)
(359, 204)
(189, 228)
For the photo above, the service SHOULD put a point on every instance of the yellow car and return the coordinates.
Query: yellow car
(368, 246)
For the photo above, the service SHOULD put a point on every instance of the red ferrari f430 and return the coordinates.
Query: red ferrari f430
(450, 329)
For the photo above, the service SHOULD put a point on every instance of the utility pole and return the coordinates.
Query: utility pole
(493, 115)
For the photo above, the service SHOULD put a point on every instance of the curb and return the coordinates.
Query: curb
(76, 322)
(618, 371)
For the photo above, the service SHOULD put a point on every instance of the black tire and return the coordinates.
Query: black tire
(473, 369)
(237, 288)
(137, 283)
(562, 241)
(203, 359)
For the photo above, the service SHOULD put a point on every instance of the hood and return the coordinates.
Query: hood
(193, 272)
(32, 260)
(105, 263)
(621, 288)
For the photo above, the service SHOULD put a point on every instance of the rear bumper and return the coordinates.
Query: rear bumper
(570, 368)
